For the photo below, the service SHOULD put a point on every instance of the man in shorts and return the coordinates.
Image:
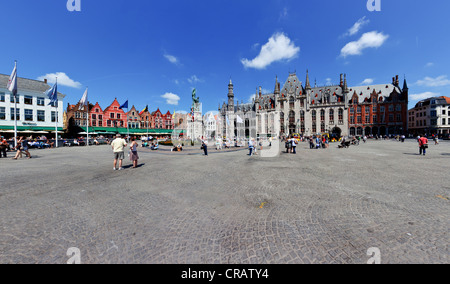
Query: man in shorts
(118, 145)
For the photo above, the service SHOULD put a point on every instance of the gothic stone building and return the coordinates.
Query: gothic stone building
(335, 109)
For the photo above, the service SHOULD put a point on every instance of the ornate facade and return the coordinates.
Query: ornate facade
(301, 109)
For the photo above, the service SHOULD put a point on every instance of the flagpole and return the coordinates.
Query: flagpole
(15, 109)
(87, 126)
(56, 116)
(128, 124)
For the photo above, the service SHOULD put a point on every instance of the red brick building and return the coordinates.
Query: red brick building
(162, 121)
(146, 119)
(114, 116)
(379, 109)
(114, 119)
(76, 117)
(96, 116)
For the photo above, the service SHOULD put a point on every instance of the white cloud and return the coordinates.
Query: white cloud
(63, 80)
(194, 79)
(171, 99)
(429, 64)
(368, 40)
(367, 81)
(434, 82)
(423, 96)
(278, 48)
(171, 59)
(357, 26)
(328, 81)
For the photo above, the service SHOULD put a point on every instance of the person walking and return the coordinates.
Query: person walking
(318, 142)
(294, 145)
(436, 140)
(133, 152)
(3, 147)
(22, 146)
(423, 145)
(205, 146)
(250, 147)
(118, 145)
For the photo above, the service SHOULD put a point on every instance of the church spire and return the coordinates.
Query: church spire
(277, 86)
(308, 85)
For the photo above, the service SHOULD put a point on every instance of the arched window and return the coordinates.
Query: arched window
(291, 117)
(314, 115)
(331, 116)
(322, 115)
(341, 116)
(291, 102)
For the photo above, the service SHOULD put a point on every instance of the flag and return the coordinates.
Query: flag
(84, 100)
(145, 110)
(52, 94)
(125, 105)
(12, 83)
(239, 119)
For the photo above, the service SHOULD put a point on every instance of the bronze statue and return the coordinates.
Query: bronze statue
(195, 99)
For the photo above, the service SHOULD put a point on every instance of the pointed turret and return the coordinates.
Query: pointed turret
(345, 91)
(405, 91)
(230, 96)
(307, 84)
(277, 87)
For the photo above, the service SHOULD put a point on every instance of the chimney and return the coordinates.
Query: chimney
(45, 81)
(396, 80)
(341, 81)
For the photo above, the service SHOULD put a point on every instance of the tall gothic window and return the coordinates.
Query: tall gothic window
(331, 116)
(291, 102)
(291, 117)
(341, 116)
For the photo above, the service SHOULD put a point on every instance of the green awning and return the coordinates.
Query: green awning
(30, 128)
(123, 131)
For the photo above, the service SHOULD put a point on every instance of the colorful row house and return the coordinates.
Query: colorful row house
(113, 120)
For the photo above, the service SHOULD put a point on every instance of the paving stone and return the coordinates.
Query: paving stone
(319, 206)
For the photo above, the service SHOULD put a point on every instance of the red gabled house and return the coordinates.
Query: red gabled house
(162, 121)
(96, 116)
(114, 116)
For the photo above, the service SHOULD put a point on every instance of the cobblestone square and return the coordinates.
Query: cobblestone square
(318, 206)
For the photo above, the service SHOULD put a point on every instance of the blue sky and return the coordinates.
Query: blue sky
(156, 52)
